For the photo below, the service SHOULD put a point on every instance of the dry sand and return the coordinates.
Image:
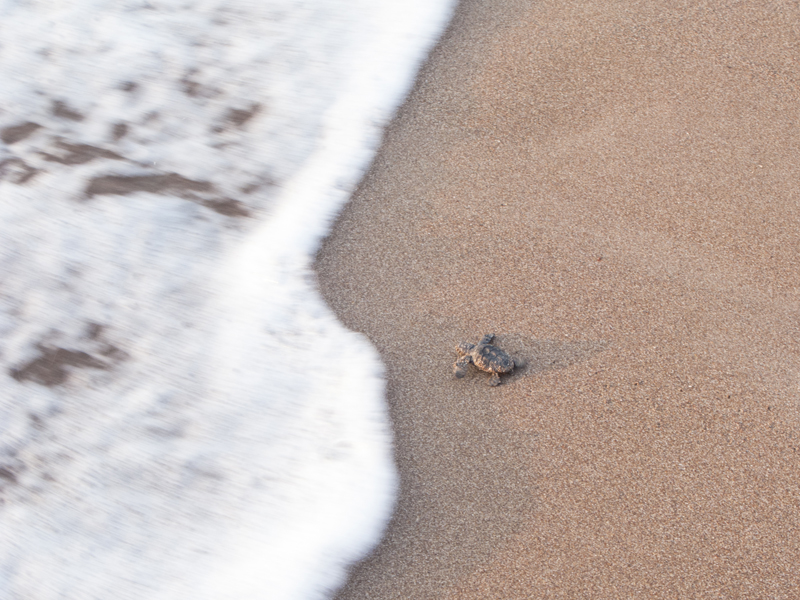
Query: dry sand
(613, 187)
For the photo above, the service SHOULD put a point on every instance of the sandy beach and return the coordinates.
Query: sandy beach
(613, 188)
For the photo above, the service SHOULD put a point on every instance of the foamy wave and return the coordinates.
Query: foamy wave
(181, 415)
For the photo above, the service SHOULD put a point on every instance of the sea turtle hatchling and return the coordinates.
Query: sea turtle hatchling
(484, 356)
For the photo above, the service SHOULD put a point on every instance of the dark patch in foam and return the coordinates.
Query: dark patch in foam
(195, 89)
(7, 474)
(128, 86)
(94, 331)
(10, 468)
(119, 131)
(155, 184)
(62, 110)
(262, 182)
(50, 368)
(191, 88)
(227, 206)
(16, 171)
(16, 133)
(78, 154)
(238, 117)
(167, 183)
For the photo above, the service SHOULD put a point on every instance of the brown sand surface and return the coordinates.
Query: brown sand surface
(613, 188)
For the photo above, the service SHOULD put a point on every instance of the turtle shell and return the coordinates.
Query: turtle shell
(491, 358)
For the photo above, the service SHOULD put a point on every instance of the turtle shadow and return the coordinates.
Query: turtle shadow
(534, 356)
(541, 355)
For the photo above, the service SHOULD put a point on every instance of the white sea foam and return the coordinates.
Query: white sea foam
(181, 415)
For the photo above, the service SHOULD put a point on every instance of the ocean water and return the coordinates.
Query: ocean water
(181, 415)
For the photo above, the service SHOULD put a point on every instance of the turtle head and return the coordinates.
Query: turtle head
(461, 366)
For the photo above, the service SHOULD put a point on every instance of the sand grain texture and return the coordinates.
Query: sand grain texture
(613, 188)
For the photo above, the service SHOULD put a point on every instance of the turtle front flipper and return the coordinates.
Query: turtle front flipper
(461, 366)
(494, 380)
(487, 339)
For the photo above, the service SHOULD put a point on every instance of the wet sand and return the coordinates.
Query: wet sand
(613, 188)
